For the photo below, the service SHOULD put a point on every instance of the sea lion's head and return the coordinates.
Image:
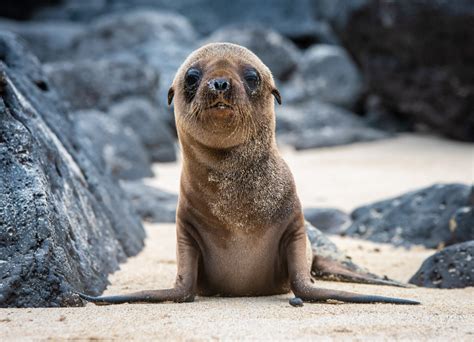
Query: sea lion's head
(223, 96)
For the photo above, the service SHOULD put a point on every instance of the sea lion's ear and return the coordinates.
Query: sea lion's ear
(170, 96)
(277, 95)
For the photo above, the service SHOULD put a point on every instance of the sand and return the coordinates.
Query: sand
(343, 177)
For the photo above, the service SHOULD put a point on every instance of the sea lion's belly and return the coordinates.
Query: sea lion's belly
(242, 265)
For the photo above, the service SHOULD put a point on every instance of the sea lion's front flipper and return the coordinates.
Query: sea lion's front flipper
(155, 296)
(185, 285)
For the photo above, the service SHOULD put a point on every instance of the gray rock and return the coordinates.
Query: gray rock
(312, 124)
(379, 117)
(277, 52)
(98, 84)
(150, 126)
(328, 220)
(151, 204)
(166, 59)
(337, 12)
(332, 136)
(418, 217)
(452, 267)
(329, 263)
(64, 224)
(152, 39)
(22, 10)
(119, 32)
(48, 40)
(294, 19)
(329, 74)
(121, 151)
(461, 225)
(417, 56)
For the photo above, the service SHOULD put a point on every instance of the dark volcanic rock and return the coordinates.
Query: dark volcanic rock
(452, 267)
(98, 84)
(328, 220)
(377, 116)
(277, 52)
(294, 19)
(327, 73)
(150, 126)
(112, 146)
(126, 32)
(23, 9)
(48, 40)
(64, 224)
(417, 56)
(149, 39)
(152, 204)
(313, 124)
(418, 217)
(461, 225)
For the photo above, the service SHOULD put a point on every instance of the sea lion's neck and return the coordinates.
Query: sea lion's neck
(247, 155)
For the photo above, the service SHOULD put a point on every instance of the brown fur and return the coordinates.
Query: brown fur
(240, 227)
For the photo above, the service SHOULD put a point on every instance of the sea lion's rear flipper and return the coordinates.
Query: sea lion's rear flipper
(324, 268)
(330, 263)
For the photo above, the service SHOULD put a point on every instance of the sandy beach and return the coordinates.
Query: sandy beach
(343, 177)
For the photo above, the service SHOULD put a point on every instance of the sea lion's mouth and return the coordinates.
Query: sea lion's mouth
(221, 105)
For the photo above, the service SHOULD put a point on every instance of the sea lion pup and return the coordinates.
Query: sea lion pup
(240, 226)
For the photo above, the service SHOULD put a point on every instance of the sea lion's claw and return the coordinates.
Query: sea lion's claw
(92, 299)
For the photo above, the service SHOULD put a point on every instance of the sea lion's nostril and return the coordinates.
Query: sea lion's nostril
(219, 84)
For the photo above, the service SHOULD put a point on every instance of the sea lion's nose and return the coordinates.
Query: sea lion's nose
(220, 85)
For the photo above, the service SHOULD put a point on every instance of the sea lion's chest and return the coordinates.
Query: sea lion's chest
(248, 198)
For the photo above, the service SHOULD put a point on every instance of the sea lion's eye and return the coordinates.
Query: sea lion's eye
(192, 78)
(251, 78)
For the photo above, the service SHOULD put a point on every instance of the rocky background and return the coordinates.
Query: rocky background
(83, 117)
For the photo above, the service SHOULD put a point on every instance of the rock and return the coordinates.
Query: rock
(277, 52)
(48, 40)
(312, 124)
(329, 74)
(328, 220)
(151, 39)
(149, 125)
(377, 116)
(337, 12)
(98, 84)
(294, 19)
(417, 56)
(452, 267)
(418, 217)
(461, 225)
(84, 10)
(151, 204)
(23, 9)
(127, 31)
(329, 263)
(332, 136)
(121, 151)
(64, 224)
